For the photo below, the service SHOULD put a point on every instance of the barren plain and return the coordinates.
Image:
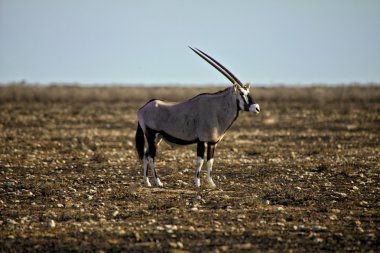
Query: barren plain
(302, 176)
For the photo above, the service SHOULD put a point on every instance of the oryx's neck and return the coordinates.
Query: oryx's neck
(222, 112)
(230, 110)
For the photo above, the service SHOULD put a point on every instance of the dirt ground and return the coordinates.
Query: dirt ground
(302, 176)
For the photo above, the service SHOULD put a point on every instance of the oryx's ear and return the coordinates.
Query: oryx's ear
(247, 85)
(236, 86)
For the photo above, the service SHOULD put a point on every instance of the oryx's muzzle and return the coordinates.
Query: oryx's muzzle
(254, 108)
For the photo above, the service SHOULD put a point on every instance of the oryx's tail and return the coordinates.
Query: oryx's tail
(140, 141)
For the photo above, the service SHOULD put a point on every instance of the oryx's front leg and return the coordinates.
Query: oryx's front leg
(200, 156)
(210, 162)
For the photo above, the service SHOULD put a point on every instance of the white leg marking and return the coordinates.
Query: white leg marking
(145, 178)
(209, 170)
(156, 179)
(197, 180)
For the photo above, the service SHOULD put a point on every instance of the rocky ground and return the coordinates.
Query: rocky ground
(302, 176)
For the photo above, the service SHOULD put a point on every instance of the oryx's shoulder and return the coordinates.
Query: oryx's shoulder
(164, 103)
(157, 102)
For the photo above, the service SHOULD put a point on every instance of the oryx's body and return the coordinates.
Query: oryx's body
(203, 119)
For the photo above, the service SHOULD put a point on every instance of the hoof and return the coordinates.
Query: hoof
(159, 183)
(211, 183)
(147, 183)
(197, 182)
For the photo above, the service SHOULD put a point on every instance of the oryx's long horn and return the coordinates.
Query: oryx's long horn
(218, 66)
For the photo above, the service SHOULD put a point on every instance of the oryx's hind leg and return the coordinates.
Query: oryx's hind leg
(153, 139)
(210, 162)
(145, 176)
(200, 156)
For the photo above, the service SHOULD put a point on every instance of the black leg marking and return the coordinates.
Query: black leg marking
(201, 149)
(210, 150)
(151, 139)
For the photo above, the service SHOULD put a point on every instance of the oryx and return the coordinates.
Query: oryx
(203, 119)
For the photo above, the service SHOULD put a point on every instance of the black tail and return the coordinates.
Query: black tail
(140, 141)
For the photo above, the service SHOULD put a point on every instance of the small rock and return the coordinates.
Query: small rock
(319, 228)
(318, 240)
(180, 245)
(333, 217)
(244, 246)
(173, 244)
(224, 248)
(355, 188)
(72, 189)
(151, 221)
(60, 205)
(50, 223)
(197, 197)
(24, 219)
(13, 222)
(115, 213)
(341, 194)
(137, 236)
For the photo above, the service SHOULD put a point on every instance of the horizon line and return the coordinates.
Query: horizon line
(172, 84)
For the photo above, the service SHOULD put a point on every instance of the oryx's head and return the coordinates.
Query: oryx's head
(243, 97)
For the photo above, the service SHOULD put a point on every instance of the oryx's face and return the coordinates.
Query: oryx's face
(245, 99)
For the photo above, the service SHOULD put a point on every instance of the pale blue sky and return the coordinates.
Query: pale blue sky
(129, 42)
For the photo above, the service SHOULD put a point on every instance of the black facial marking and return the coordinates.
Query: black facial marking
(250, 100)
